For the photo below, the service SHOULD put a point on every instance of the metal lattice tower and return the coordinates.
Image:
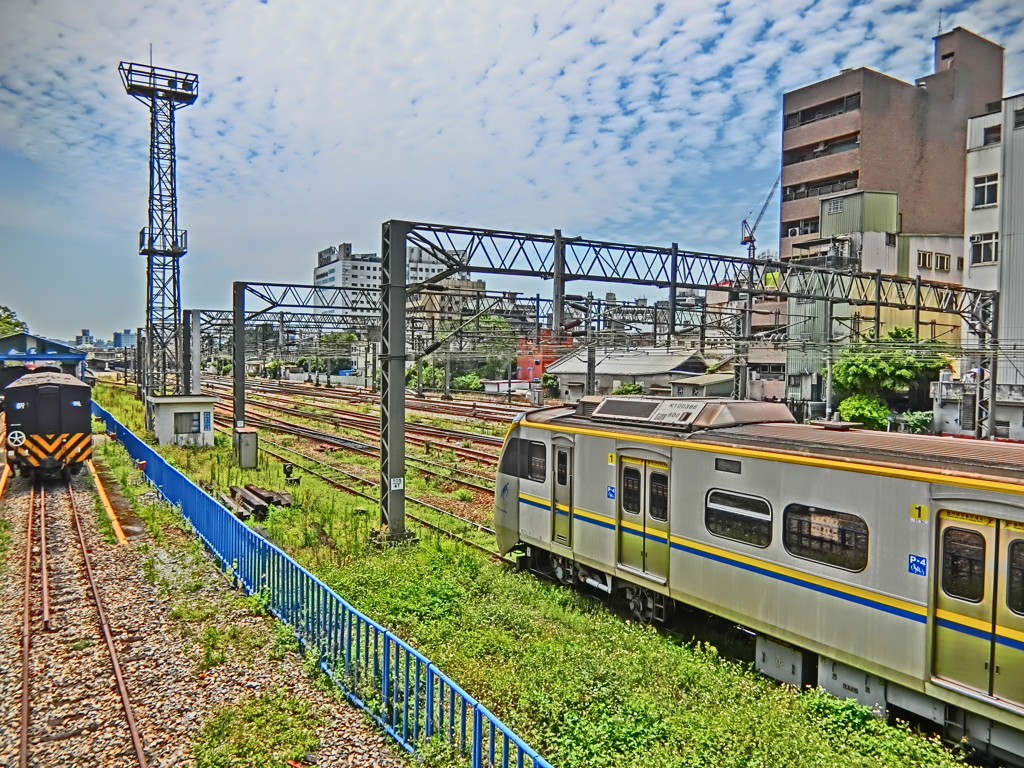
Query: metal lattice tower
(164, 91)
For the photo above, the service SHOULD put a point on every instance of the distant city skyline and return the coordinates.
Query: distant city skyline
(641, 122)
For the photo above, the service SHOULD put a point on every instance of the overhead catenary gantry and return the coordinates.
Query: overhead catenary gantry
(164, 91)
(562, 259)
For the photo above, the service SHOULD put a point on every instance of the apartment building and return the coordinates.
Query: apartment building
(865, 130)
(873, 175)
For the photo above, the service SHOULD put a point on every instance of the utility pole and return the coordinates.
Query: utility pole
(591, 349)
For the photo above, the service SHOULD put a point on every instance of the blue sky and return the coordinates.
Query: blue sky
(631, 120)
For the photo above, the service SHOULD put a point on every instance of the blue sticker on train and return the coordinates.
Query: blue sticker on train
(918, 565)
(611, 491)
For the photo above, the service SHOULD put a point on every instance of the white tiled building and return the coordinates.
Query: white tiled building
(338, 267)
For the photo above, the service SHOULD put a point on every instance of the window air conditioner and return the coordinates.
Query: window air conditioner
(794, 231)
(975, 238)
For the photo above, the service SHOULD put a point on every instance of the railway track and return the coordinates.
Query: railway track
(474, 409)
(74, 701)
(418, 435)
(329, 474)
(441, 471)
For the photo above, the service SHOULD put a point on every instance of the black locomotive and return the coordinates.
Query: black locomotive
(49, 427)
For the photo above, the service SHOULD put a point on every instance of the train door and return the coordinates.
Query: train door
(966, 599)
(1008, 656)
(48, 410)
(561, 495)
(631, 514)
(643, 517)
(656, 545)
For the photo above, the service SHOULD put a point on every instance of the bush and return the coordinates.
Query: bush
(919, 422)
(629, 389)
(869, 410)
(550, 383)
(469, 380)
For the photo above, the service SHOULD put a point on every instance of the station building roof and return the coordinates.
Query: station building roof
(26, 348)
(634, 362)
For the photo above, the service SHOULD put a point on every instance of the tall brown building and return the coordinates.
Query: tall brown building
(868, 131)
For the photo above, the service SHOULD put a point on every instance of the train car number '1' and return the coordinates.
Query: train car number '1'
(918, 565)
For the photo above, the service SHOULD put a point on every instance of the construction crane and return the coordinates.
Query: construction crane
(747, 231)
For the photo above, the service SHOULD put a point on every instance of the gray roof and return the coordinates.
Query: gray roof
(704, 379)
(637, 362)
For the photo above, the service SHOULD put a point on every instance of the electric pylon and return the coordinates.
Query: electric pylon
(164, 91)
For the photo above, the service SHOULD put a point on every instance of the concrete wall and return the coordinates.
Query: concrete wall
(1011, 241)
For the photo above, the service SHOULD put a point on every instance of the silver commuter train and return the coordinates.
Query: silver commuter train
(884, 567)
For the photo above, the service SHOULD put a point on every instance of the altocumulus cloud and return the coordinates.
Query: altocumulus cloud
(625, 119)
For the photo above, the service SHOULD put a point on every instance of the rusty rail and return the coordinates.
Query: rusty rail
(26, 636)
(44, 562)
(108, 637)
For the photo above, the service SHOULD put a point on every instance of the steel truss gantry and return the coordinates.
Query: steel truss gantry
(164, 91)
(562, 259)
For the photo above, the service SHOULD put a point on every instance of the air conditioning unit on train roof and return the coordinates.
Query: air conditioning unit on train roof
(690, 413)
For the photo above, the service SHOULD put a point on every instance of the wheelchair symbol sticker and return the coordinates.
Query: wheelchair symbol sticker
(611, 491)
(918, 565)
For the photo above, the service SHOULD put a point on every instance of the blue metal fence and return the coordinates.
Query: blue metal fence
(398, 686)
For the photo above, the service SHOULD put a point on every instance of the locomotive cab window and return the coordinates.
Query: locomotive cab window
(826, 536)
(657, 504)
(1015, 584)
(631, 482)
(186, 423)
(739, 517)
(510, 461)
(963, 565)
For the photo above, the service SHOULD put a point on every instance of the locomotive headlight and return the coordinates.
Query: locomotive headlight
(15, 438)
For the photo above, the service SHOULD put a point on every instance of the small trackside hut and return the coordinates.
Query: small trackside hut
(884, 567)
(49, 427)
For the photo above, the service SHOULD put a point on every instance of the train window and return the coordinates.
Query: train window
(538, 467)
(834, 538)
(631, 490)
(186, 423)
(1015, 587)
(657, 501)
(739, 517)
(562, 468)
(510, 459)
(728, 465)
(963, 564)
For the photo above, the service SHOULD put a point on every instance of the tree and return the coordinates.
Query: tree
(875, 370)
(9, 322)
(489, 339)
(893, 363)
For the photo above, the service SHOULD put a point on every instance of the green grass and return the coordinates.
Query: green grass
(584, 687)
(258, 732)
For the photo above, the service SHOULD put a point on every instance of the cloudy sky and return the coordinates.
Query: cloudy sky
(631, 120)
